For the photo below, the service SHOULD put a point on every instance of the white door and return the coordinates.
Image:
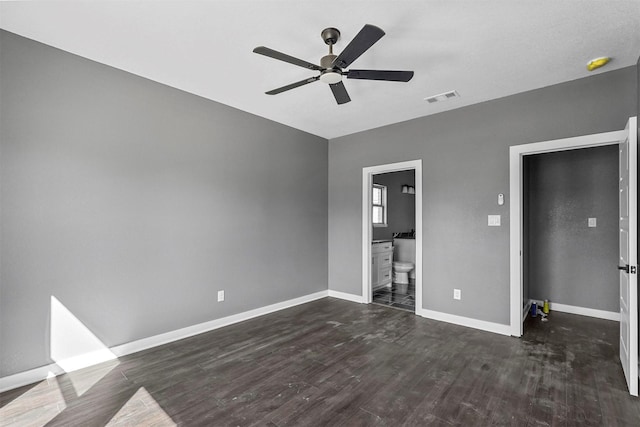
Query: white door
(628, 257)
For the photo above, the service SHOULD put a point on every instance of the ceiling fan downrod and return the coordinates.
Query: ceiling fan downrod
(331, 74)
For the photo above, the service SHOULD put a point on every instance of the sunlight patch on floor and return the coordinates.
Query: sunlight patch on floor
(74, 346)
(22, 412)
(141, 409)
(86, 378)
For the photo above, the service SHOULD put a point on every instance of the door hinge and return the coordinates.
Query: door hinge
(632, 269)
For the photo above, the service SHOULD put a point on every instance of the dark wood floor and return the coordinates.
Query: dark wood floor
(332, 362)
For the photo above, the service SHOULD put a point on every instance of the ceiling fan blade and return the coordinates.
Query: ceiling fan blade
(286, 58)
(293, 85)
(340, 93)
(391, 76)
(368, 35)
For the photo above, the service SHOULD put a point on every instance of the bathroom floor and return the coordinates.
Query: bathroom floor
(392, 298)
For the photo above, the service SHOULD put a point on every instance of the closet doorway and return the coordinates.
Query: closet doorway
(570, 231)
(626, 141)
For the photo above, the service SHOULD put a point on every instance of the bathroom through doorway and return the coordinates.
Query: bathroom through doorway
(392, 235)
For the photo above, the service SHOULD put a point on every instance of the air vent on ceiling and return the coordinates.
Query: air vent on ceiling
(442, 96)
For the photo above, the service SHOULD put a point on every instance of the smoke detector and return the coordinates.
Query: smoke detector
(594, 64)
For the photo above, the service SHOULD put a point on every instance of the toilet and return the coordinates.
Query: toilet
(401, 275)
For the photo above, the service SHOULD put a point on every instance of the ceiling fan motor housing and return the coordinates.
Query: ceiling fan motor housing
(327, 61)
(332, 74)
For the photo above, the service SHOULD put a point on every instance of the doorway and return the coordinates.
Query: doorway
(627, 141)
(394, 224)
(368, 174)
(570, 231)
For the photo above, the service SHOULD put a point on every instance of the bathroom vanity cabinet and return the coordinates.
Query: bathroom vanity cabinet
(381, 263)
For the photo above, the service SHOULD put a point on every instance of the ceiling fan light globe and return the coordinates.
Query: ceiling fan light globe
(331, 77)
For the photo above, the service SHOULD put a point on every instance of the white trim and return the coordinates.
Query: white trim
(582, 311)
(29, 377)
(515, 242)
(419, 237)
(346, 296)
(632, 134)
(496, 328)
(38, 374)
(84, 360)
(367, 180)
(573, 143)
(200, 328)
(516, 153)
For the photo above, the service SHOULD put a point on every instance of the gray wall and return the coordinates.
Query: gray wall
(570, 263)
(465, 155)
(401, 207)
(134, 203)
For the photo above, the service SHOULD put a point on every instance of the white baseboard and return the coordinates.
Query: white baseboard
(496, 328)
(346, 296)
(583, 311)
(435, 315)
(38, 374)
(29, 377)
(178, 334)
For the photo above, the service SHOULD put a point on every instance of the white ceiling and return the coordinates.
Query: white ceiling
(482, 49)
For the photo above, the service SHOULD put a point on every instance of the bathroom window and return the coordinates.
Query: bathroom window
(379, 206)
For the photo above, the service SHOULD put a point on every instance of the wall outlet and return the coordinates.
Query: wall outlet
(220, 296)
(457, 294)
(592, 222)
(493, 220)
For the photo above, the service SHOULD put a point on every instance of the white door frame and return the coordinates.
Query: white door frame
(367, 181)
(516, 154)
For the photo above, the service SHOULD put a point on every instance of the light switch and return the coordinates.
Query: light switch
(500, 199)
(592, 222)
(494, 220)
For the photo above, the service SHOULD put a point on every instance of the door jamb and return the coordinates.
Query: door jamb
(516, 154)
(367, 181)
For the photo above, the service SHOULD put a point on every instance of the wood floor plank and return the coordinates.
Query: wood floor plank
(333, 362)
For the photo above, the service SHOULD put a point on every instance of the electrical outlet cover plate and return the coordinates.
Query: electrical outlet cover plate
(220, 296)
(457, 294)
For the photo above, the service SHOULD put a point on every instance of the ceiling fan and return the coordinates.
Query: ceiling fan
(332, 67)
